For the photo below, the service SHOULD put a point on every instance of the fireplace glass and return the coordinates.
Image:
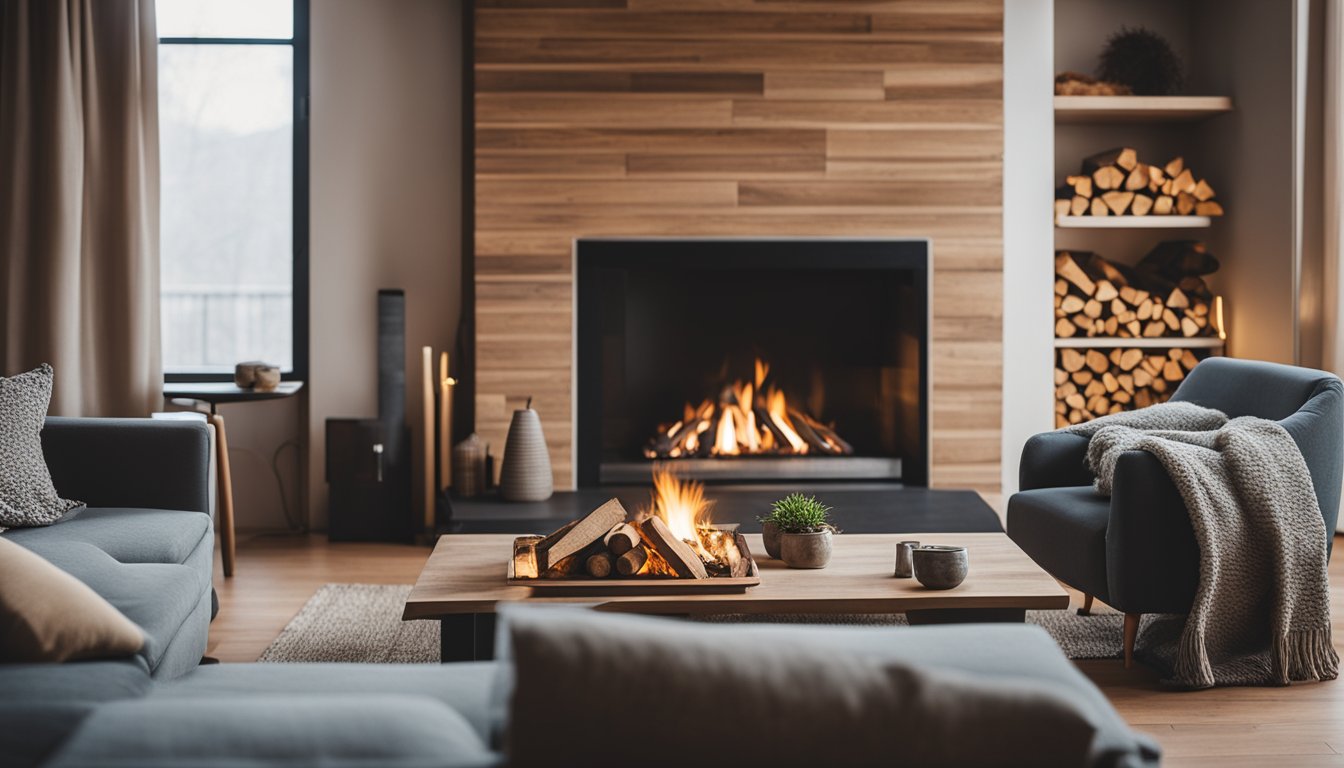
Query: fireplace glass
(755, 360)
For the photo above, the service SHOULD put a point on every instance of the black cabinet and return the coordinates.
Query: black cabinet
(368, 479)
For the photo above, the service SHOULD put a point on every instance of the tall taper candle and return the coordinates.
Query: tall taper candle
(427, 440)
(446, 384)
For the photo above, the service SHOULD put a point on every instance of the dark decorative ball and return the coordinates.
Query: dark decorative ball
(1142, 60)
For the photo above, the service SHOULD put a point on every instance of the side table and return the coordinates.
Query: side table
(214, 394)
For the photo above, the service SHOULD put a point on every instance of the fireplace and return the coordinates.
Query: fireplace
(752, 360)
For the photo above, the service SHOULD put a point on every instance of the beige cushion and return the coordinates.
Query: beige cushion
(599, 689)
(48, 615)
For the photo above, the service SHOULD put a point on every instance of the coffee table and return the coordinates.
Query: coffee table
(462, 584)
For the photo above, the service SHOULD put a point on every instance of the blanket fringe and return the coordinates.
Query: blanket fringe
(1192, 666)
(1305, 655)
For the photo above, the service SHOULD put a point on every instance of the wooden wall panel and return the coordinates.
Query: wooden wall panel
(738, 118)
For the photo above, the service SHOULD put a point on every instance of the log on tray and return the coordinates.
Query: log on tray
(741, 566)
(575, 536)
(629, 563)
(621, 539)
(678, 554)
(599, 565)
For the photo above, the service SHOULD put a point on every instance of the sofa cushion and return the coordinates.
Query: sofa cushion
(47, 615)
(1064, 531)
(159, 597)
(27, 496)
(465, 687)
(796, 694)
(377, 731)
(128, 535)
(91, 681)
(33, 732)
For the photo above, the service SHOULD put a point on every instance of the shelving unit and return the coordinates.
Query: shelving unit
(1139, 109)
(1133, 222)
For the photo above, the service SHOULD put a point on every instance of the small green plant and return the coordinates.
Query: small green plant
(797, 513)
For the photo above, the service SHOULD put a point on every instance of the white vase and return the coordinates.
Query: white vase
(526, 473)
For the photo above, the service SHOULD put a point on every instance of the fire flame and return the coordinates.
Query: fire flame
(681, 504)
(748, 418)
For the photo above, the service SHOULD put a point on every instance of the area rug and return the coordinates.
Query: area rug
(362, 623)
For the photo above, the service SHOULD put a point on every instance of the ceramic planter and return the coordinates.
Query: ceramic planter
(806, 550)
(771, 533)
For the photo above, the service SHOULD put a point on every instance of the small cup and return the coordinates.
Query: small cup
(905, 559)
(939, 566)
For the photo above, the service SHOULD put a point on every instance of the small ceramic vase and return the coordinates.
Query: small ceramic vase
(526, 474)
(806, 550)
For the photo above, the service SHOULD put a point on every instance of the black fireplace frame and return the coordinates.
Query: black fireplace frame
(591, 255)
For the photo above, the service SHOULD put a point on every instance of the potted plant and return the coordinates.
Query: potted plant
(804, 531)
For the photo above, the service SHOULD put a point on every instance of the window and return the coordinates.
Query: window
(233, 138)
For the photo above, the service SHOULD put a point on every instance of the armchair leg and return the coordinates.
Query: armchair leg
(1131, 634)
(1086, 610)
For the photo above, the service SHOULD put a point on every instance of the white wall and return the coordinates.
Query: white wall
(385, 200)
(1028, 231)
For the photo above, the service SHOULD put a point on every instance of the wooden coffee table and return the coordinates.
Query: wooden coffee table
(462, 584)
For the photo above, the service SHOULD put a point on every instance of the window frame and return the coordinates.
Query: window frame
(299, 231)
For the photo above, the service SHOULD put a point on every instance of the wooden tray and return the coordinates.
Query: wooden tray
(714, 585)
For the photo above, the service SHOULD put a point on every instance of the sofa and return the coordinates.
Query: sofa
(145, 544)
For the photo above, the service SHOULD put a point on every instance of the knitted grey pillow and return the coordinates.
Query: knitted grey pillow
(27, 496)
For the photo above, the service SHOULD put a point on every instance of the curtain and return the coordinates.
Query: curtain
(1332, 197)
(79, 201)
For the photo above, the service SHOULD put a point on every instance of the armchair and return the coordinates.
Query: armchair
(1136, 551)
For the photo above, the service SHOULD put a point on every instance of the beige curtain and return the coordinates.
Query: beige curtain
(1332, 192)
(79, 201)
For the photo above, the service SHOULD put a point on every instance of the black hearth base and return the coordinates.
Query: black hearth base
(858, 508)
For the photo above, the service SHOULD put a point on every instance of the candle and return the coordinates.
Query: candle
(446, 384)
(427, 441)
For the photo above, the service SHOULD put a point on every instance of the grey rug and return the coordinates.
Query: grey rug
(362, 623)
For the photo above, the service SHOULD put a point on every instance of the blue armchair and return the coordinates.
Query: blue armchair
(1136, 551)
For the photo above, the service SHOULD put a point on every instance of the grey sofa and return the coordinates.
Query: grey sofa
(1136, 551)
(145, 544)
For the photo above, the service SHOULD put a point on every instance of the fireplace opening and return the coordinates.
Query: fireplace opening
(752, 360)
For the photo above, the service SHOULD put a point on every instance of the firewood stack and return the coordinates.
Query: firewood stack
(1092, 382)
(609, 543)
(1164, 295)
(1115, 183)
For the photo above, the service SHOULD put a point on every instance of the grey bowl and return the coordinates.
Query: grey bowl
(941, 567)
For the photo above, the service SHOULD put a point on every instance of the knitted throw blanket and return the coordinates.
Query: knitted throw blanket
(1261, 613)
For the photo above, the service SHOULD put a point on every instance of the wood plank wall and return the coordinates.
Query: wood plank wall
(738, 118)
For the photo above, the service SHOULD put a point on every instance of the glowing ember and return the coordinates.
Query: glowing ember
(749, 418)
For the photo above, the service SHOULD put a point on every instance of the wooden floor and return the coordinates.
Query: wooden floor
(1302, 725)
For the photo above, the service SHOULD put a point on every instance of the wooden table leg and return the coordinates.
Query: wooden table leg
(966, 615)
(467, 637)
(224, 479)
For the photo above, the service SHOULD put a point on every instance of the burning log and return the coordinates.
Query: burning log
(745, 418)
(678, 554)
(575, 536)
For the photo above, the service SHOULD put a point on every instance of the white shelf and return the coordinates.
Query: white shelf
(1161, 342)
(1139, 109)
(1132, 222)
